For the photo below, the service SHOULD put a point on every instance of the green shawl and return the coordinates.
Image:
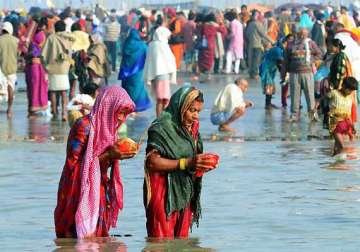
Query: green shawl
(172, 141)
(340, 68)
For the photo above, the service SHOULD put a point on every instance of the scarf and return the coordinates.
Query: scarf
(339, 69)
(172, 141)
(82, 41)
(307, 51)
(56, 53)
(160, 60)
(103, 133)
(98, 59)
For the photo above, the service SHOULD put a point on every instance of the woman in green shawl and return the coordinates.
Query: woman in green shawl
(174, 155)
(340, 69)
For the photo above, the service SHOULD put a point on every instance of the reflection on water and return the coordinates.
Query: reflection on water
(39, 129)
(111, 244)
(107, 244)
(191, 245)
(277, 186)
(345, 160)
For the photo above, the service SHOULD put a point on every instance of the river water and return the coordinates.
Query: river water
(277, 187)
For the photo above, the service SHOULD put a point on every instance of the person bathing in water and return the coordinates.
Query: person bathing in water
(340, 122)
(230, 105)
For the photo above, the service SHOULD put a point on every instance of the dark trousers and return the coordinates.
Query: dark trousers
(111, 47)
(218, 65)
(254, 61)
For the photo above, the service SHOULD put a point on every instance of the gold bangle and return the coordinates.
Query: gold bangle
(182, 164)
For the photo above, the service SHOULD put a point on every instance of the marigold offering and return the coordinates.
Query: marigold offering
(127, 145)
(212, 159)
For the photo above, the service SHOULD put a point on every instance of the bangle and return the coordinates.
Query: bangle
(182, 164)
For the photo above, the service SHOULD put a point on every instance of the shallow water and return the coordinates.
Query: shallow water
(276, 189)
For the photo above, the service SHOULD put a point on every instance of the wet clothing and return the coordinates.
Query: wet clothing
(340, 113)
(88, 200)
(69, 187)
(172, 199)
(158, 223)
(344, 127)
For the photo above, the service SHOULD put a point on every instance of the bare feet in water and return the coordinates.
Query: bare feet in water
(9, 113)
(271, 106)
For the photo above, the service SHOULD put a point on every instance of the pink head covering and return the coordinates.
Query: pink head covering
(103, 133)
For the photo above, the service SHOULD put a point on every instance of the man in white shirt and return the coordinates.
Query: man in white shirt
(230, 105)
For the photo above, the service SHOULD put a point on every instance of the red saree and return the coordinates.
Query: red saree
(207, 55)
(69, 186)
(158, 224)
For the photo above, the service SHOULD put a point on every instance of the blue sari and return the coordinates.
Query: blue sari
(131, 70)
(268, 67)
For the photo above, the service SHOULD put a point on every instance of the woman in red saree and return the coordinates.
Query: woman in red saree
(207, 51)
(88, 200)
(174, 167)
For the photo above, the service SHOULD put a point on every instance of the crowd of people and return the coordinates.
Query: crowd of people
(64, 52)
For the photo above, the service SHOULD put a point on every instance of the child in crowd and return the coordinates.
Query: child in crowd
(82, 104)
(340, 103)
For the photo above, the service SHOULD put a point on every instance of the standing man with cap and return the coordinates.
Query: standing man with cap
(299, 58)
(8, 61)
